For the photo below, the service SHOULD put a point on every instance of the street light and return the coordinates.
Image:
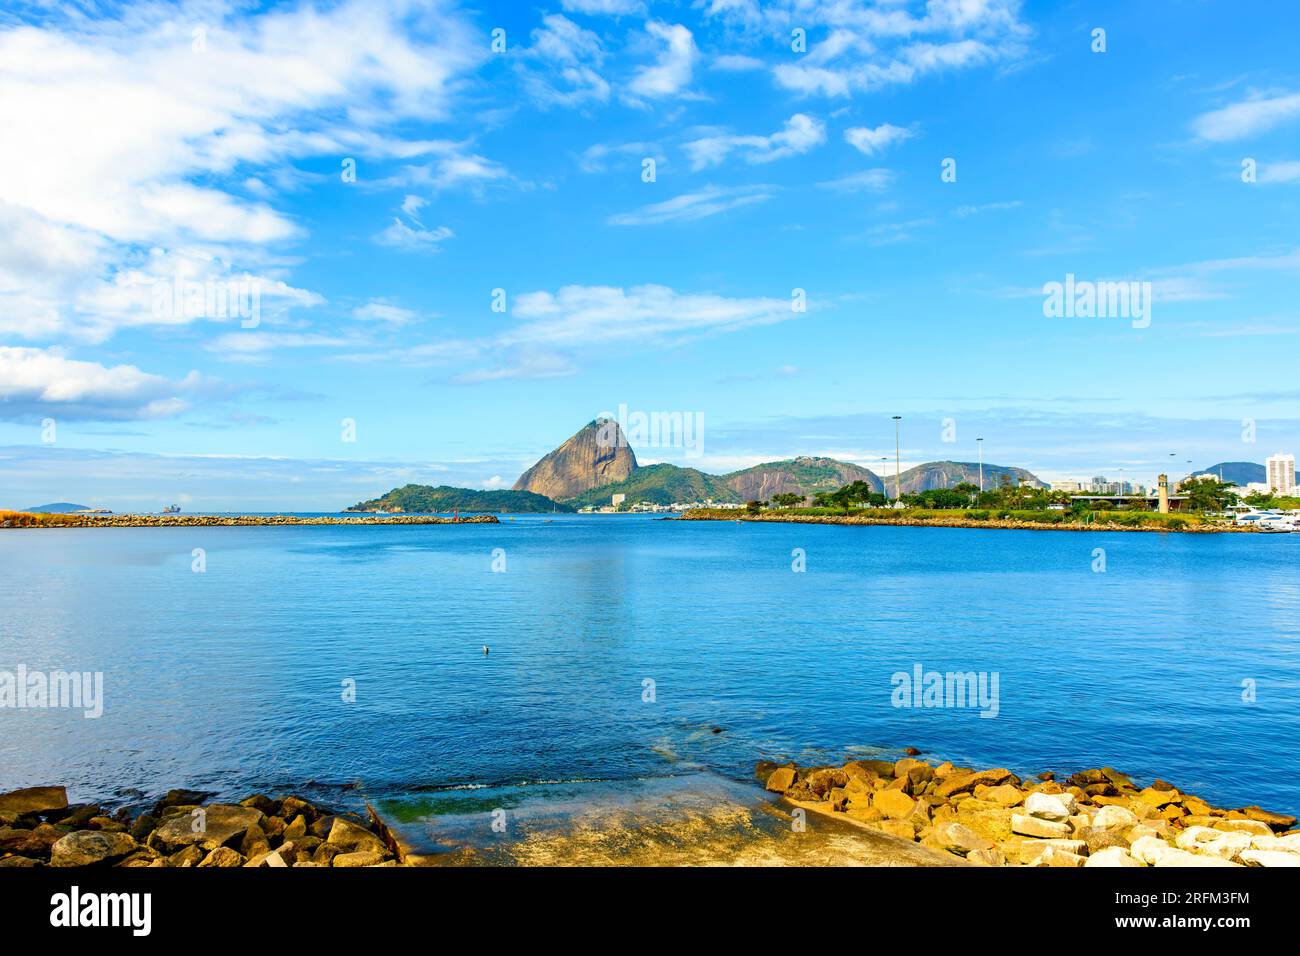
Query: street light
(898, 468)
(980, 443)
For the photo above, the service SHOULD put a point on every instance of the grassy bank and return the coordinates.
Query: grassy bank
(979, 518)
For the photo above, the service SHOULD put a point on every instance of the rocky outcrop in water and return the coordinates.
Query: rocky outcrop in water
(993, 818)
(23, 520)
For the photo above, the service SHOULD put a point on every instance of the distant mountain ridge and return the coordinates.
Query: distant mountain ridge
(58, 508)
(424, 499)
(587, 462)
(946, 474)
(1240, 473)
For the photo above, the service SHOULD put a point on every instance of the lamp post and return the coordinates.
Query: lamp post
(898, 467)
(980, 443)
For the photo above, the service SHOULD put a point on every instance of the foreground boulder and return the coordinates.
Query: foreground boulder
(89, 847)
(32, 800)
(216, 825)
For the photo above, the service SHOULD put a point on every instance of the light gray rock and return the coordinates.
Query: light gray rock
(1038, 827)
(1114, 817)
(1270, 858)
(1112, 856)
(1051, 806)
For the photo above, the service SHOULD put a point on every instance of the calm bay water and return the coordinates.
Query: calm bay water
(231, 680)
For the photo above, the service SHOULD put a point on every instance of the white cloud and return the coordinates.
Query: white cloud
(1287, 171)
(257, 346)
(557, 330)
(800, 134)
(671, 72)
(1258, 114)
(867, 48)
(413, 238)
(688, 207)
(44, 382)
(868, 180)
(595, 158)
(118, 136)
(612, 8)
(378, 310)
(570, 59)
(870, 141)
(736, 63)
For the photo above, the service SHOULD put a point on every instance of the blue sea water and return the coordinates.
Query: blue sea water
(234, 679)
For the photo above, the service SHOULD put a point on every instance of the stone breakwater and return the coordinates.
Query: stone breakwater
(227, 521)
(38, 827)
(701, 514)
(993, 818)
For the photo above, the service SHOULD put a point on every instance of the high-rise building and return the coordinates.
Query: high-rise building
(1281, 473)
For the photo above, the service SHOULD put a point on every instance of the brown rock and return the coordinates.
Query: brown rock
(958, 838)
(1278, 821)
(220, 824)
(144, 825)
(325, 853)
(291, 807)
(898, 828)
(781, 780)
(894, 804)
(19, 803)
(260, 801)
(351, 836)
(358, 858)
(192, 855)
(224, 857)
(90, 847)
(1004, 795)
(597, 455)
(297, 828)
(957, 783)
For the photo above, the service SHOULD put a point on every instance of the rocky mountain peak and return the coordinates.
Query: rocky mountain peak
(597, 455)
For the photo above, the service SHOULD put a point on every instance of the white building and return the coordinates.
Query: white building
(1281, 473)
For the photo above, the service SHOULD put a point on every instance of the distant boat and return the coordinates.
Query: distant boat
(172, 510)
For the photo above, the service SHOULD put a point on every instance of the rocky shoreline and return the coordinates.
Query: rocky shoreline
(17, 520)
(705, 514)
(38, 827)
(1093, 817)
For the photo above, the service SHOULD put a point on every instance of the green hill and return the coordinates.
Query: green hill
(661, 484)
(804, 475)
(425, 499)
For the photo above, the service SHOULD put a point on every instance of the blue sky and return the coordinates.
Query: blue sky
(211, 141)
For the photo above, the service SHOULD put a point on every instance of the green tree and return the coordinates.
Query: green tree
(1207, 494)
